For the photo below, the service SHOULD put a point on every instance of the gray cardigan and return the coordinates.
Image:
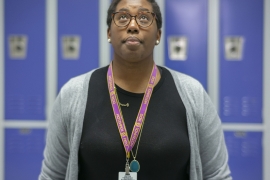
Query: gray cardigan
(208, 156)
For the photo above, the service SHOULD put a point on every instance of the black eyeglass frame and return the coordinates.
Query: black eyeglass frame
(153, 14)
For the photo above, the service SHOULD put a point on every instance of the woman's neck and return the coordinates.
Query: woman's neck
(133, 76)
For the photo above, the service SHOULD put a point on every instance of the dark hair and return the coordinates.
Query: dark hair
(154, 4)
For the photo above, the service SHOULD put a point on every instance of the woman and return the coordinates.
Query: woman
(132, 119)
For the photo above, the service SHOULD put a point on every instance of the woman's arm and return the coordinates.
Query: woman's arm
(213, 151)
(56, 152)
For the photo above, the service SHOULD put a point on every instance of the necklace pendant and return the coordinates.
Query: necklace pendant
(125, 105)
(134, 166)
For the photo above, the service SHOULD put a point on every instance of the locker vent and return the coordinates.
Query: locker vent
(21, 105)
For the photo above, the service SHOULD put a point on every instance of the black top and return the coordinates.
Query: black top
(164, 149)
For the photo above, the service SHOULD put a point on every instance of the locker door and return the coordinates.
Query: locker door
(24, 59)
(245, 155)
(23, 153)
(186, 37)
(78, 23)
(241, 31)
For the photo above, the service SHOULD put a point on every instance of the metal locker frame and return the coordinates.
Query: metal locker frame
(266, 90)
(22, 101)
(23, 152)
(245, 150)
(195, 62)
(241, 91)
(2, 63)
(213, 82)
(70, 27)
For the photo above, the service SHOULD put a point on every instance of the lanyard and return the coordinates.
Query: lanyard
(128, 144)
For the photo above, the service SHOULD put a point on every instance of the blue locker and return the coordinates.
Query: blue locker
(77, 19)
(187, 19)
(245, 155)
(24, 23)
(241, 31)
(23, 153)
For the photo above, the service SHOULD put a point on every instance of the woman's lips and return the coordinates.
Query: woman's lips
(132, 41)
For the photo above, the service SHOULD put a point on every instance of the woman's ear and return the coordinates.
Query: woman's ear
(159, 35)
(108, 33)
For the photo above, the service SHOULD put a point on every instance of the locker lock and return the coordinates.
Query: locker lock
(178, 46)
(234, 48)
(71, 47)
(17, 47)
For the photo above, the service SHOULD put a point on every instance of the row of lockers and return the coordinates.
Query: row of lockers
(185, 26)
(241, 48)
(24, 153)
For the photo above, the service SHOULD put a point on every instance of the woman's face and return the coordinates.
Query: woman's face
(134, 43)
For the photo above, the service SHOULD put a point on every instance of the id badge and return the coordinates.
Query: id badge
(130, 176)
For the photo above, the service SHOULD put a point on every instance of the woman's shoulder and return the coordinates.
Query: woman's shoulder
(76, 84)
(185, 82)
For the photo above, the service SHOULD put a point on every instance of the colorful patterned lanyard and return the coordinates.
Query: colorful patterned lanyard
(128, 144)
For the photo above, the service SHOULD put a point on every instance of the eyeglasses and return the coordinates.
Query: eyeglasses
(143, 19)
